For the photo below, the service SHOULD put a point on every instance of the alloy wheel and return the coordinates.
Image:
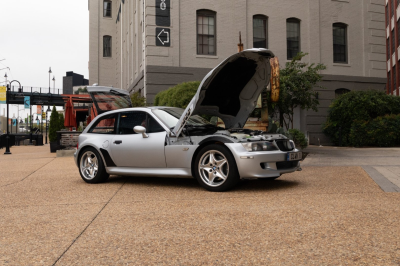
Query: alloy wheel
(89, 165)
(213, 168)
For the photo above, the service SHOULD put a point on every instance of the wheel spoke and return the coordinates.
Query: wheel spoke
(212, 158)
(220, 163)
(221, 175)
(94, 161)
(211, 177)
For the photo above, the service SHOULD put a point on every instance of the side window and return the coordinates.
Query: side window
(129, 120)
(153, 126)
(105, 125)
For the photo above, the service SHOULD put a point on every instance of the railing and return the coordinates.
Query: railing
(37, 90)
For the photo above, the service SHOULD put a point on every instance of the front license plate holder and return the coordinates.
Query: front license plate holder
(294, 156)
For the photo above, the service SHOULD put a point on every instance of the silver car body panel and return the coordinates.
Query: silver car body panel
(136, 151)
(253, 67)
(160, 172)
(180, 156)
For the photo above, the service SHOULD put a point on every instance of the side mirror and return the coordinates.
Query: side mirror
(141, 130)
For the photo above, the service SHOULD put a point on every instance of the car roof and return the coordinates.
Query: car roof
(135, 109)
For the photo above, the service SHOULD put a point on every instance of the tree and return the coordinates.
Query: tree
(138, 100)
(84, 89)
(177, 96)
(297, 83)
(54, 124)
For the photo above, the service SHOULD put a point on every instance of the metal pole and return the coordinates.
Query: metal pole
(8, 133)
(30, 122)
(46, 125)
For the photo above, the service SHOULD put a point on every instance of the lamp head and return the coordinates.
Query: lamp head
(50, 70)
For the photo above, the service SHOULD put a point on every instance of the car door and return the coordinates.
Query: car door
(130, 149)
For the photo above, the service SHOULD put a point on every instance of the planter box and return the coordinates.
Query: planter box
(53, 146)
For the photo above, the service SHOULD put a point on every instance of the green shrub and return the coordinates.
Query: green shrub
(60, 121)
(177, 96)
(138, 100)
(54, 125)
(299, 138)
(357, 106)
(382, 131)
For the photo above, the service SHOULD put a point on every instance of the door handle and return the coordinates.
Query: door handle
(118, 142)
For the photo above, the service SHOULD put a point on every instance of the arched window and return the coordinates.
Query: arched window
(340, 43)
(106, 46)
(107, 8)
(340, 92)
(206, 32)
(292, 37)
(260, 31)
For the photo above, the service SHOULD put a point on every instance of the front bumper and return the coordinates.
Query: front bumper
(76, 157)
(261, 164)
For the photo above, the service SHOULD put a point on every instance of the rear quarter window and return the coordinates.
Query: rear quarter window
(105, 125)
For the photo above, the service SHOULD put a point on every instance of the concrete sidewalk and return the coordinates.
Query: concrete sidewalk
(323, 215)
(382, 164)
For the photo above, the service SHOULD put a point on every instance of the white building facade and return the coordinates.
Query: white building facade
(130, 51)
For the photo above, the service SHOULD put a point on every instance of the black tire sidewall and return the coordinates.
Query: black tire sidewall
(102, 175)
(233, 176)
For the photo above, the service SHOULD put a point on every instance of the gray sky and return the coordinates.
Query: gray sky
(36, 35)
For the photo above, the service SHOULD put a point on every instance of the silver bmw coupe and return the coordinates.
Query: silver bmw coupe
(175, 142)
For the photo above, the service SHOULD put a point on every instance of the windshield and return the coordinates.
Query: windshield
(171, 116)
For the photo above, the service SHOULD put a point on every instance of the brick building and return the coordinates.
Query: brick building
(392, 15)
(151, 45)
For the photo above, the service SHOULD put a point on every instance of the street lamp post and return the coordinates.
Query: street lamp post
(7, 101)
(54, 84)
(47, 124)
(49, 77)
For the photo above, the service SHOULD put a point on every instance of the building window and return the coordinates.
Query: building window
(398, 32)
(107, 8)
(387, 14)
(392, 37)
(260, 31)
(106, 46)
(292, 37)
(389, 82)
(206, 32)
(388, 48)
(340, 43)
(340, 92)
(392, 11)
(394, 78)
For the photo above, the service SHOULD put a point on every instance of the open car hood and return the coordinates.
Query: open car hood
(230, 91)
(108, 98)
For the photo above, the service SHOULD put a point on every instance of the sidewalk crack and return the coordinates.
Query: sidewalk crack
(94, 218)
(27, 175)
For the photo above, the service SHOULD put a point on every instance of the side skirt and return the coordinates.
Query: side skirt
(157, 172)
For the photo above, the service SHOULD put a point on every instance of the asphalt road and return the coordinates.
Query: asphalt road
(326, 214)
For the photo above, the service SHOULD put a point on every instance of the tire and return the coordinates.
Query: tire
(91, 167)
(215, 168)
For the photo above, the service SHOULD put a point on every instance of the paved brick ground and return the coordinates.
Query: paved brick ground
(324, 215)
